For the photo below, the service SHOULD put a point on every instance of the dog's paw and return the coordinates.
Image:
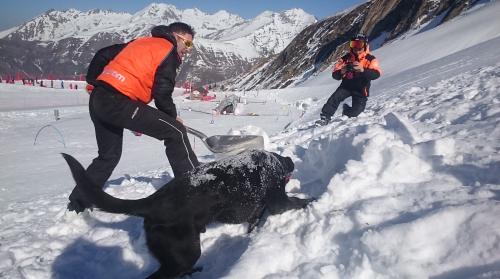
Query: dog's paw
(193, 270)
(297, 203)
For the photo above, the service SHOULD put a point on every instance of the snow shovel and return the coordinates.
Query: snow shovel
(227, 143)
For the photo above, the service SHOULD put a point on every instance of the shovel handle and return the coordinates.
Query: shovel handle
(197, 133)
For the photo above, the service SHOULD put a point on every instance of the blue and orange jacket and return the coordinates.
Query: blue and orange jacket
(357, 81)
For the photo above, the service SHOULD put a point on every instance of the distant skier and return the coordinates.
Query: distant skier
(356, 69)
(126, 78)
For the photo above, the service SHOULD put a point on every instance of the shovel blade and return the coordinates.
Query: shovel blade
(234, 144)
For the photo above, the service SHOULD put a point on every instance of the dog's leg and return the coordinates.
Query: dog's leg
(177, 248)
(159, 274)
(277, 206)
(255, 221)
(193, 271)
(297, 203)
(278, 202)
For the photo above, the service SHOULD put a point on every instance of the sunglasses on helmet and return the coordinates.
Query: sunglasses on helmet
(186, 42)
(357, 44)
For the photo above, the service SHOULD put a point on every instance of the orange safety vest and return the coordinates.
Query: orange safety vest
(349, 80)
(132, 71)
(363, 61)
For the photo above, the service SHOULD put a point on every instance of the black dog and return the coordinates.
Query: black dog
(234, 190)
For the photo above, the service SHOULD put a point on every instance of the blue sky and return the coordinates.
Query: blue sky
(13, 13)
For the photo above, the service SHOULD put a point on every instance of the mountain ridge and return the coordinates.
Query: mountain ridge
(318, 46)
(71, 37)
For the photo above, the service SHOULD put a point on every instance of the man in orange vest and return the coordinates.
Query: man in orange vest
(126, 78)
(356, 69)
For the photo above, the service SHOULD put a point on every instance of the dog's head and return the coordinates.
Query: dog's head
(287, 165)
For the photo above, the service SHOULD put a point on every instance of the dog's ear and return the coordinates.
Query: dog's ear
(286, 162)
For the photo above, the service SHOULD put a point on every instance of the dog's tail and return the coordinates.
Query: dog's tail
(97, 197)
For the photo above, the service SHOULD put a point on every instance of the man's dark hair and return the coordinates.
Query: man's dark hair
(160, 31)
(181, 27)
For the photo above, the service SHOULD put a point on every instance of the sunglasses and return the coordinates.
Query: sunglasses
(187, 43)
(357, 44)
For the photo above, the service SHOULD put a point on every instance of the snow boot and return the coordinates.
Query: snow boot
(77, 203)
(323, 121)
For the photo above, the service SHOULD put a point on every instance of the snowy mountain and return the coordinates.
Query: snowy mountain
(408, 189)
(319, 45)
(63, 42)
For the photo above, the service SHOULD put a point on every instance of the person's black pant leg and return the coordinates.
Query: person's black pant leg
(178, 150)
(118, 110)
(334, 101)
(358, 106)
(158, 124)
(109, 142)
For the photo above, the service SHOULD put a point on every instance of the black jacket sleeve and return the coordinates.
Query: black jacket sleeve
(100, 60)
(337, 75)
(164, 83)
(374, 71)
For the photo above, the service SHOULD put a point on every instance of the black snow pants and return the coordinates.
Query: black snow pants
(358, 103)
(111, 112)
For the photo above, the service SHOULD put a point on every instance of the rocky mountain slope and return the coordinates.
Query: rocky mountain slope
(63, 42)
(320, 44)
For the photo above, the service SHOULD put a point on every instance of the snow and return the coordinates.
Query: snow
(239, 47)
(409, 189)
